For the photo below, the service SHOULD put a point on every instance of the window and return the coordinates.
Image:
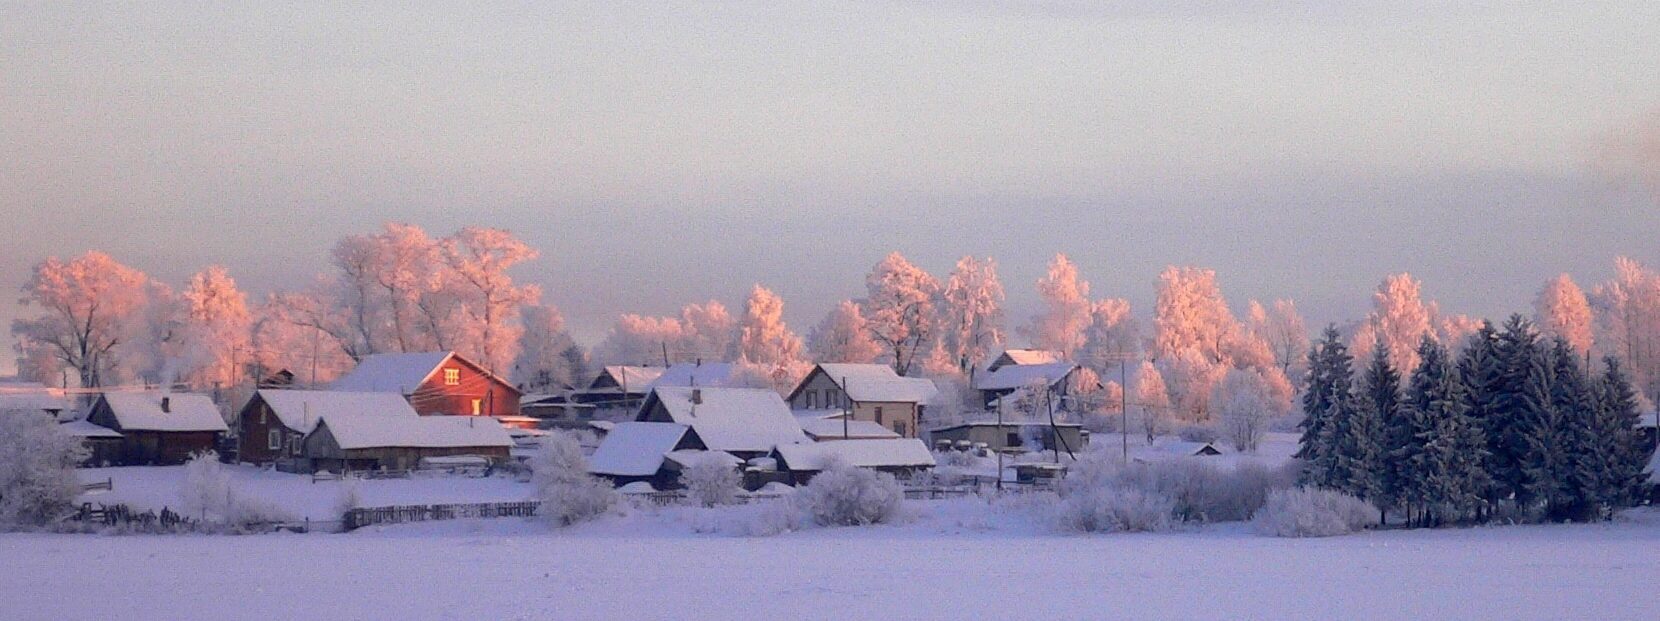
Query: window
(452, 377)
(262, 410)
(878, 414)
(812, 399)
(478, 407)
(273, 440)
(901, 428)
(1013, 440)
(295, 444)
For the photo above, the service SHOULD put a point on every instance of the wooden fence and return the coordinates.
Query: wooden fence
(106, 484)
(358, 518)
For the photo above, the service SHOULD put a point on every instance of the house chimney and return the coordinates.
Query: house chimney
(697, 396)
(166, 404)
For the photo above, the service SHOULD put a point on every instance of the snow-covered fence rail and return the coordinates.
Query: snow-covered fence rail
(106, 484)
(369, 516)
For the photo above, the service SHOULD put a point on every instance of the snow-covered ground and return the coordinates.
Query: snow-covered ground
(938, 566)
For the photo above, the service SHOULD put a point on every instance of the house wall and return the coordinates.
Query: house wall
(438, 397)
(323, 453)
(898, 416)
(254, 425)
(819, 393)
(152, 447)
(998, 438)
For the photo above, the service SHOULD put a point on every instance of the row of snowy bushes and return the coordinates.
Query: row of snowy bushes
(1103, 495)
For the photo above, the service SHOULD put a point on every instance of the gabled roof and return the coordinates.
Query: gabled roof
(687, 458)
(634, 449)
(399, 373)
(873, 382)
(301, 409)
(141, 411)
(690, 374)
(360, 432)
(1009, 377)
(897, 453)
(26, 397)
(729, 419)
(637, 379)
(1026, 356)
(821, 429)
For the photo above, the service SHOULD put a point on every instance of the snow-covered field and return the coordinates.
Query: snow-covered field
(936, 567)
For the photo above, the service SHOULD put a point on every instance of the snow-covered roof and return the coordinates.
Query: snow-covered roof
(359, 432)
(1031, 356)
(30, 398)
(878, 382)
(301, 409)
(83, 429)
(637, 379)
(1009, 422)
(892, 453)
(141, 411)
(634, 449)
(821, 429)
(732, 419)
(691, 457)
(399, 373)
(691, 374)
(1013, 376)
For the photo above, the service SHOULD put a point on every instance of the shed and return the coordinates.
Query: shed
(1014, 435)
(635, 451)
(103, 444)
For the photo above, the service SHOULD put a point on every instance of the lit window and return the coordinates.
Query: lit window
(478, 407)
(452, 377)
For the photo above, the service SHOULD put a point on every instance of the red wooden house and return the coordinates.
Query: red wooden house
(435, 383)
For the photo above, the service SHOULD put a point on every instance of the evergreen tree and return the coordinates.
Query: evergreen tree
(1619, 439)
(1517, 355)
(1438, 463)
(1536, 430)
(1328, 419)
(1584, 469)
(1365, 445)
(1316, 396)
(1482, 373)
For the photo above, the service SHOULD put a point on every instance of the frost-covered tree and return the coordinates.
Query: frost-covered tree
(548, 356)
(1191, 379)
(843, 336)
(704, 332)
(1561, 309)
(1619, 441)
(845, 495)
(709, 332)
(764, 338)
(1627, 323)
(37, 469)
(1438, 461)
(1400, 319)
(479, 258)
(1365, 443)
(568, 494)
(712, 481)
(90, 307)
(971, 322)
(1244, 407)
(899, 310)
(217, 330)
(286, 335)
(1282, 329)
(1151, 402)
(1520, 392)
(1191, 315)
(1453, 330)
(1113, 336)
(1066, 309)
(1327, 404)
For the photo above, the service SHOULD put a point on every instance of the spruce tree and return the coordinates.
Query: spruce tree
(1365, 447)
(1482, 374)
(1619, 439)
(1439, 459)
(1584, 469)
(1541, 461)
(1316, 397)
(1516, 353)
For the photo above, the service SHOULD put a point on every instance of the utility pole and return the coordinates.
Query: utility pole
(1124, 408)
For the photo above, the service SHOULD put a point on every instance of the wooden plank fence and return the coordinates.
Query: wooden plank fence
(370, 516)
(106, 485)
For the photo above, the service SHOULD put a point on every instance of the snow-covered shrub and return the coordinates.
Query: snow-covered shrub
(844, 495)
(350, 497)
(712, 481)
(1109, 508)
(1309, 512)
(37, 469)
(1199, 491)
(773, 517)
(567, 492)
(960, 459)
(207, 494)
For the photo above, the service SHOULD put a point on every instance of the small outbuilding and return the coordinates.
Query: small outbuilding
(900, 457)
(398, 443)
(746, 422)
(103, 445)
(1022, 435)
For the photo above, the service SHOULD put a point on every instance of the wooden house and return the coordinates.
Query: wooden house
(1061, 379)
(159, 427)
(618, 387)
(1014, 436)
(1024, 356)
(399, 443)
(435, 383)
(901, 457)
(871, 392)
(638, 451)
(746, 422)
(274, 423)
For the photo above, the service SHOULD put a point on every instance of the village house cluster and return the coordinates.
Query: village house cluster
(403, 411)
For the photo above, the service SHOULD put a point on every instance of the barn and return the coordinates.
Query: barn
(159, 427)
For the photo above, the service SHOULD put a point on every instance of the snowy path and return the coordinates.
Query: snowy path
(520, 571)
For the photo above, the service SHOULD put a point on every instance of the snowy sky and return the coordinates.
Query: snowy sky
(660, 154)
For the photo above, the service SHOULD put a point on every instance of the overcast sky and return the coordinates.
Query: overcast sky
(660, 154)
